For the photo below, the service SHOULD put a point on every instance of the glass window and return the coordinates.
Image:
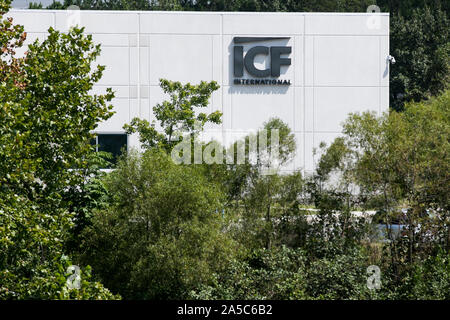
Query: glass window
(112, 143)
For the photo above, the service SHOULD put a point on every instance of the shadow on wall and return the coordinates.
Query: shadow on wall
(386, 70)
(261, 89)
(261, 62)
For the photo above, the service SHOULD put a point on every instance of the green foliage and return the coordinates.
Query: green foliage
(161, 236)
(338, 277)
(264, 274)
(176, 116)
(399, 158)
(156, 230)
(216, 5)
(257, 184)
(401, 161)
(46, 118)
(103, 4)
(83, 200)
(406, 7)
(36, 5)
(404, 155)
(153, 238)
(431, 279)
(420, 44)
(283, 273)
(332, 159)
(32, 265)
(427, 279)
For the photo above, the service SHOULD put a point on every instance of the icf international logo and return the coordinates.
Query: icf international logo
(277, 57)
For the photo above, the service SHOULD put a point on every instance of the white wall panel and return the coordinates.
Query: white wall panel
(144, 66)
(111, 40)
(309, 109)
(218, 58)
(338, 65)
(185, 58)
(121, 116)
(298, 60)
(227, 60)
(144, 109)
(333, 104)
(175, 23)
(121, 92)
(266, 23)
(383, 60)
(33, 21)
(346, 61)
(100, 21)
(31, 38)
(309, 60)
(299, 110)
(384, 99)
(347, 24)
(299, 158)
(227, 118)
(156, 96)
(252, 106)
(117, 63)
(216, 105)
(134, 66)
(309, 157)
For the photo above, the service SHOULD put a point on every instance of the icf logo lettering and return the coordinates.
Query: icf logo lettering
(277, 57)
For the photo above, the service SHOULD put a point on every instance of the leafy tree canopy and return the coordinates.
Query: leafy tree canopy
(178, 115)
(162, 235)
(46, 118)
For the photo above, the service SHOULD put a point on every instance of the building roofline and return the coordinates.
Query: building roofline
(210, 12)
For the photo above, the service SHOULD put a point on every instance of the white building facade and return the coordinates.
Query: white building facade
(309, 69)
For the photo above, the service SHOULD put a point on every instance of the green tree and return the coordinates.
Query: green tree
(257, 184)
(388, 163)
(115, 4)
(280, 5)
(162, 236)
(176, 116)
(405, 156)
(340, 276)
(46, 118)
(401, 160)
(264, 274)
(84, 198)
(406, 7)
(420, 44)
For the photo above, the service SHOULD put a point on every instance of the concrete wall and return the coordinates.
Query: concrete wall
(339, 65)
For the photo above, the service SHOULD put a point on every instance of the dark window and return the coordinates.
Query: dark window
(112, 143)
